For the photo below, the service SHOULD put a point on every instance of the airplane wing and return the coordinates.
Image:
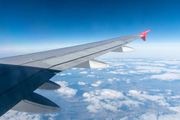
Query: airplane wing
(21, 75)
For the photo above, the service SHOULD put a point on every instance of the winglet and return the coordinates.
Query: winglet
(143, 35)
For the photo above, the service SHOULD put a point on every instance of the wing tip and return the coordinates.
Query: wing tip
(143, 35)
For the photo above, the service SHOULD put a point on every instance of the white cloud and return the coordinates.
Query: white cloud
(140, 63)
(62, 74)
(159, 116)
(107, 99)
(148, 116)
(73, 68)
(168, 91)
(96, 96)
(81, 83)
(155, 90)
(110, 80)
(128, 81)
(131, 59)
(51, 115)
(90, 75)
(166, 76)
(69, 74)
(169, 117)
(149, 69)
(169, 62)
(117, 72)
(99, 69)
(136, 94)
(92, 108)
(145, 69)
(120, 69)
(83, 72)
(143, 96)
(113, 59)
(170, 75)
(177, 109)
(147, 63)
(175, 97)
(64, 90)
(129, 103)
(173, 66)
(15, 115)
(158, 64)
(173, 70)
(117, 64)
(124, 118)
(96, 84)
(133, 72)
(145, 78)
(154, 68)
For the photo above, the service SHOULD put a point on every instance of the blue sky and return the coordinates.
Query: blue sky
(29, 26)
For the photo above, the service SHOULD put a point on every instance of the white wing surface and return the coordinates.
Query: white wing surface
(21, 75)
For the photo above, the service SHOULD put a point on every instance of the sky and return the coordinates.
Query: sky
(38, 25)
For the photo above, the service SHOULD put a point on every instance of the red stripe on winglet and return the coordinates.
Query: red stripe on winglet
(143, 35)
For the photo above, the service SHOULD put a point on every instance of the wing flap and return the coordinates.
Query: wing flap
(36, 103)
(92, 64)
(124, 49)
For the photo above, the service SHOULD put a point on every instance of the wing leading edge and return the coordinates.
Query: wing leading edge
(21, 75)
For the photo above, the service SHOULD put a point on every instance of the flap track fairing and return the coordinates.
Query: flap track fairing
(36, 103)
(49, 86)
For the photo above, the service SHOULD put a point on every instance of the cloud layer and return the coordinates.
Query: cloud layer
(64, 90)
